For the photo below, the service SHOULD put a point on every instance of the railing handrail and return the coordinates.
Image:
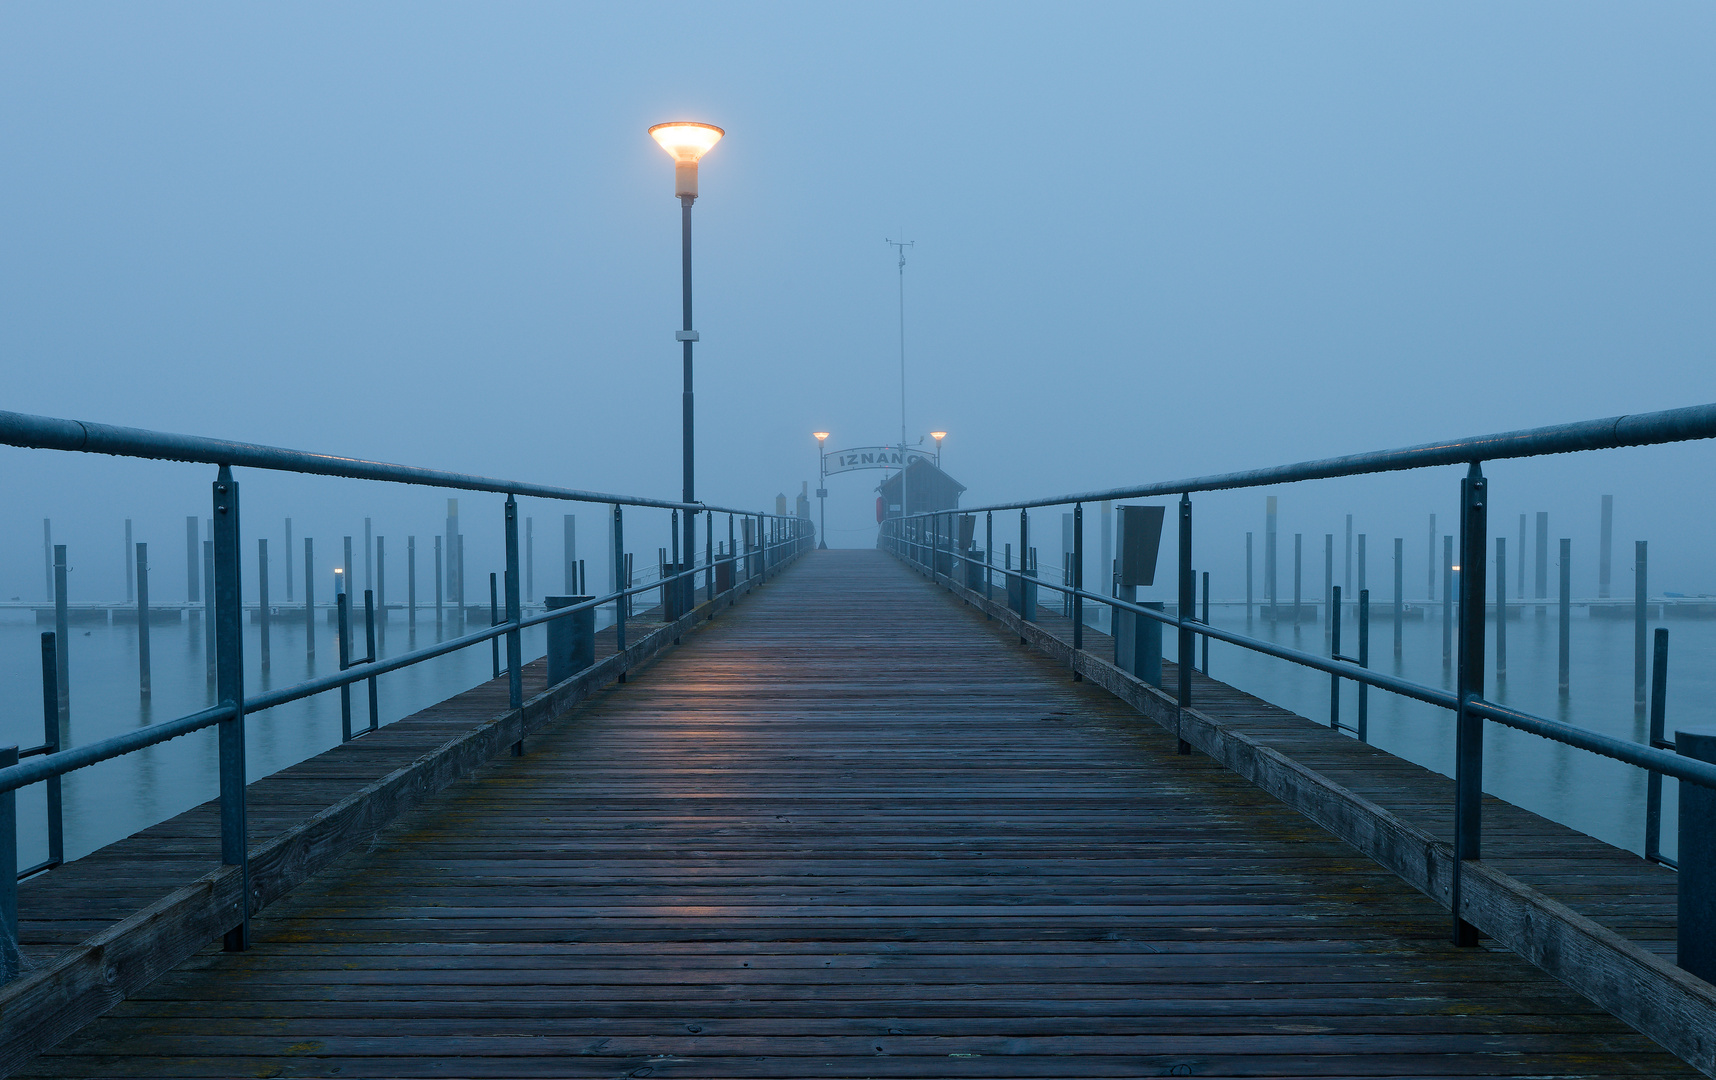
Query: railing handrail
(61, 762)
(53, 433)
(1631, 429)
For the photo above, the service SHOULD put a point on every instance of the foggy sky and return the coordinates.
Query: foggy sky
(1151, 241)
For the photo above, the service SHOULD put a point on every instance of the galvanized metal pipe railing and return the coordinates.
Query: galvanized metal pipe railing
(769, 539)
(906, 536)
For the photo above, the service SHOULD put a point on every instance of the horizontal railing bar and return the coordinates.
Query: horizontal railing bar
(1651, 758)
(52, 433)
(13, 777)
(1688, 769)
(1635, 429)
(64, 761)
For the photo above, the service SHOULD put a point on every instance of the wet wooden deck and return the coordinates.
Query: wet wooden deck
(845, 831)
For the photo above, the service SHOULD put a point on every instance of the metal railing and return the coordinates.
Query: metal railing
(926, 539)
(767, 540)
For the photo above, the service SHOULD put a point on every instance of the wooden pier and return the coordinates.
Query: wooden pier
(850, 828)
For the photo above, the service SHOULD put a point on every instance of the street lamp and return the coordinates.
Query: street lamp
(938, 436)
(822, 487)
(687, 142)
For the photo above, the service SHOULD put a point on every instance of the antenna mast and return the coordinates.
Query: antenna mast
(901, 246)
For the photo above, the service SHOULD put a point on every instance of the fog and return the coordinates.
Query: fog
(1150, 242)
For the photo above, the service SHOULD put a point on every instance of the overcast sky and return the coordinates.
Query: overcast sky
(1151, 241)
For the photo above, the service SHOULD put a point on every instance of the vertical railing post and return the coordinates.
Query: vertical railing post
(1364, 662)
(1469, 729)
(494, 620)
(514, 638)
(11, 958)
(370, 657)
(145, 667)
(1078, 582)
(1334, 653)
(51, 739)
(709, 558)
(1658, 718)
(1566, 643)
(1696, 921)
(1184, 655)
(732, 555)
(229, 691)
(620, 579)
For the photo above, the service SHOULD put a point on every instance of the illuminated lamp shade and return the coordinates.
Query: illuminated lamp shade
(820, 435)
(938, 436)
(687, 142)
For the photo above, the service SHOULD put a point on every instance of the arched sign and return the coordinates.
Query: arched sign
(873, 457)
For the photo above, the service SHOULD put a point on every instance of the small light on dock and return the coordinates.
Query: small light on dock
(687, 142)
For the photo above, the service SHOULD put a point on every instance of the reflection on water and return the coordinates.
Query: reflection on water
(109, 801)
(1593, 794)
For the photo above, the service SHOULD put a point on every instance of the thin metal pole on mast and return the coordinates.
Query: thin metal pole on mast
(901, 246)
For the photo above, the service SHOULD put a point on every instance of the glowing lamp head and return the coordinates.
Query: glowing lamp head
(821, 436)
(938, 436)
(687, 142)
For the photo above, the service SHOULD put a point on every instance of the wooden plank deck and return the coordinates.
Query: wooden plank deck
(845, 832)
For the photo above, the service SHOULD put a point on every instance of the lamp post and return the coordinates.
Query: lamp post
(938, 436)
(687, 142)
(822, 489)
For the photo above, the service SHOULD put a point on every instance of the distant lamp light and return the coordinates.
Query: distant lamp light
(821, 436)
(687, 142)
(938, 436)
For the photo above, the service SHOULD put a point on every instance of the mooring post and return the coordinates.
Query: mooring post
(1541, 570)
(1605, 545)
(1640, 561)
(288, 560)
(514, 639)
(262, 601)
(1696, 924)
(1331, 594)
(1248, 599)
(193, 576)
(1658, 718)
(1566, 614)
(411, 583)
(1448, 600)
(1271, 578)
(229, 691)
(494, 620)
(1184, 656)
(51, 740)
(1298, 575)
(1501, 608)
(1430, 558)
(62, 636)
(380, 589)
(309, 598)
(130, 570)
(144, 679)
(1469, 729)
(11, 959)
(369, 644)
(1334, 652)
(1205, 644)
(342, 610)
(1399, 601)
(1363, 655)
(209, 611)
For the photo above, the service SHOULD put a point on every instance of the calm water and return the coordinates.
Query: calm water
(106, 802)
(109, 801)
(1595, 795)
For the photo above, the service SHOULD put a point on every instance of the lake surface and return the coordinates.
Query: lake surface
(109, 801)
